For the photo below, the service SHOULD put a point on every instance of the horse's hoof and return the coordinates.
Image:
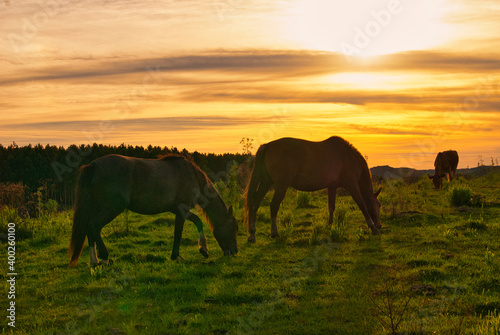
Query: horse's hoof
(105, 262)
(275, 235)
(177, 258)
(204, 252)
(251, 239)
(375, 232)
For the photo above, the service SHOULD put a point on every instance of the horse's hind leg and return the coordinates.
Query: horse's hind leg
(179, 226)
(95, 239)
(332, 196)
(94, 235)
(264, 187)
(92, 251)
(279, 195)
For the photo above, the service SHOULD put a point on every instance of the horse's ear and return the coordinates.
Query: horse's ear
(429, 176)
(378, 192)
(230, 210)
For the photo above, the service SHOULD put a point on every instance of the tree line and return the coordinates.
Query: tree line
(37, 173)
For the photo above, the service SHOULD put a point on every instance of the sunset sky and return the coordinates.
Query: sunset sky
(400, 79)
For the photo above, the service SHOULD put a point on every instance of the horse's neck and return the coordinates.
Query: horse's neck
(215, 208)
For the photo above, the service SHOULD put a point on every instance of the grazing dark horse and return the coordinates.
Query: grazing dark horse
(310, 166)
(113, 183)
(445, 164)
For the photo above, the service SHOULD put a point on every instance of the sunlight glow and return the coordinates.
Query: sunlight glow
(362, 28)
(365, 80)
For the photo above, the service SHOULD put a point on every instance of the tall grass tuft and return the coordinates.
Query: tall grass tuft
(319, 229)
(304, 200)
(338, 230)
(490, 325)
(286, 222)
(336, 233)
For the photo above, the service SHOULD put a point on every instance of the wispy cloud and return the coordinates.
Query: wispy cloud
(162, 123)
(281, 64)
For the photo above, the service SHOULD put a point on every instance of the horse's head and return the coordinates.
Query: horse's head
(437, 180)
(226, 233)
(376, 209)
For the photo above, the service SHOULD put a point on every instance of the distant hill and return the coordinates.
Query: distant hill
(388, 172)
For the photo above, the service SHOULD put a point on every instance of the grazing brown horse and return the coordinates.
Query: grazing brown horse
(445, 164)
(112, 183)
(310, 166)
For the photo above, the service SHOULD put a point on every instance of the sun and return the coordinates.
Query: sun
(366, 28)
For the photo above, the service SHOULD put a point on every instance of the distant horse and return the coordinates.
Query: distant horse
(310, 166)
(446, 163)
(113, 183)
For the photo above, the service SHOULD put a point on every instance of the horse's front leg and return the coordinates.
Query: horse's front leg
(179, 225)
(279, 195)
(202, 241)
(332, 196)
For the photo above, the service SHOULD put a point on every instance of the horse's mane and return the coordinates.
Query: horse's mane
(206, 186)
(168, 157)
(348, 145)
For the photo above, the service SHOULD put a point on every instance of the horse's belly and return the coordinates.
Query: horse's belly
(309, 186)
(151, 203)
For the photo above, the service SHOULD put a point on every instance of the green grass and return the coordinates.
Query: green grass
(291, 285)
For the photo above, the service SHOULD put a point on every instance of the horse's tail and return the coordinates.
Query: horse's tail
(82, 213)
(259, 171)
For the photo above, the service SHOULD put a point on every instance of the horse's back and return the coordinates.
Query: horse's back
(111, 179)
(146, 186)
(452, 156)
(446, 159)
(162, 184)
(308, 165)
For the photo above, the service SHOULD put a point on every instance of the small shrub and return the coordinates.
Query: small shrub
(391, 297)
(13, 195)
(361, 234)
(304, 200)
(8, 214)
(463, 196)
(229, 189)
(51, 206)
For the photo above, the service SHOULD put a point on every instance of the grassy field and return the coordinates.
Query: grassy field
(434, 270)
